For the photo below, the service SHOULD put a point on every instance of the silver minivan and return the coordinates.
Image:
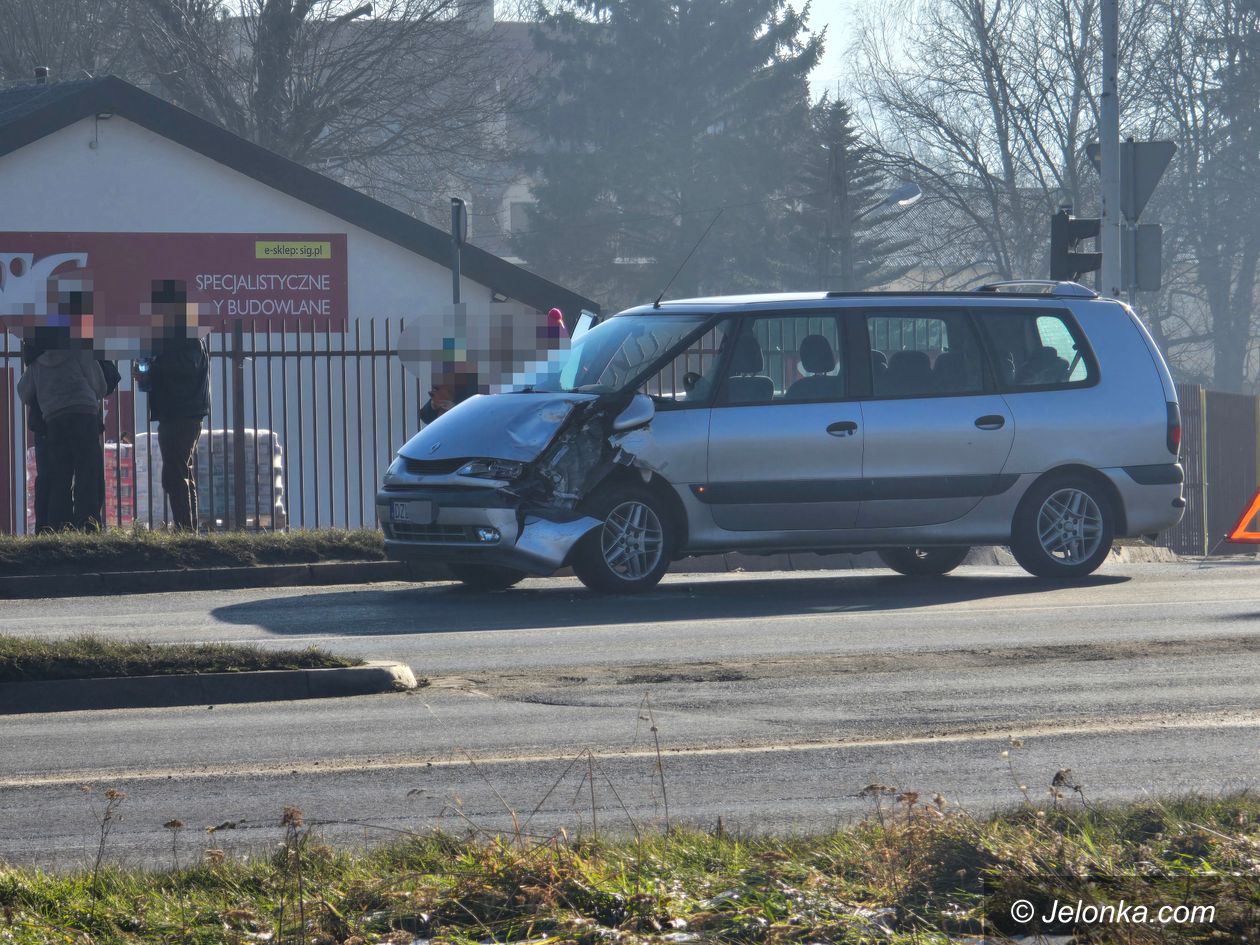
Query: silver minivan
(1034, 415)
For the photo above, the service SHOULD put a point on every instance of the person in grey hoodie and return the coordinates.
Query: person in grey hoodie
(69, 384)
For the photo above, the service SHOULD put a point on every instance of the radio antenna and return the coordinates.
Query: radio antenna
(657, 303)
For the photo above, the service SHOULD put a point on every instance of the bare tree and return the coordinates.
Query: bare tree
(1205, 87)
(991, 103)
(395, 96)
(73, 38)
(988, 103)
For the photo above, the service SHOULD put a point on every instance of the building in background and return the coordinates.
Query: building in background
(108, 189)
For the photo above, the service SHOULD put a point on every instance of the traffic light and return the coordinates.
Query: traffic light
(1066, 233)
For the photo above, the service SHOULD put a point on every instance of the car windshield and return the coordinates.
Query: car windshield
(615, 354)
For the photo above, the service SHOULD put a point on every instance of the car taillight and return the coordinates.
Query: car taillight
(1174, 429)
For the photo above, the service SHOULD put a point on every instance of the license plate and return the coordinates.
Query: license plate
(418, 513)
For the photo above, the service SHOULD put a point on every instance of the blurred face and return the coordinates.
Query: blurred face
(442, 399)
(178, 320)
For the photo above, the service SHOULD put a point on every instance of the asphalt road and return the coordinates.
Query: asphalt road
(776, 699)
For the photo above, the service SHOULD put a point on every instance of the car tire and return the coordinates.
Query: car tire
(923, 562)
(633, 547)
(1063, 528)
(486, 577)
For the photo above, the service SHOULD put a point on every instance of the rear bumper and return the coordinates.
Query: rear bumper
(1152, 496)
(478, 526)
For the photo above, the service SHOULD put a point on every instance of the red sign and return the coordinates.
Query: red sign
(107, 285)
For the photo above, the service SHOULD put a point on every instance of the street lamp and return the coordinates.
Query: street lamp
(907, 195)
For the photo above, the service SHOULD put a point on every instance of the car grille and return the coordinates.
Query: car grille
(435, 534)
(432, 467)
(442, 487)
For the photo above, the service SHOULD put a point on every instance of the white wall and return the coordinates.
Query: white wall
(136, 181)
(133, 180)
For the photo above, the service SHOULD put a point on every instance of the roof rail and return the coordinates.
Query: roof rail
(1040, 287)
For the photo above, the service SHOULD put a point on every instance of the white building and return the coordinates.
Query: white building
(140, 190)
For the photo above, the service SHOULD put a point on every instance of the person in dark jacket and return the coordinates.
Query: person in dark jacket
(452, 386)
(177, 379)
(68, 384)
(32, 347)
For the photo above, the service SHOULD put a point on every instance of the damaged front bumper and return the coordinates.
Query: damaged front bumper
(438, 502)
(477, 526)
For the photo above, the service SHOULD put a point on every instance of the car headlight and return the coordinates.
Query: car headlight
(491, 469)
(395, 470)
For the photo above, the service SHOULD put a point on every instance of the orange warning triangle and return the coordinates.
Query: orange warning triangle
(1240, 533)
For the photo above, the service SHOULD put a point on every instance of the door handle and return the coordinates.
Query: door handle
(842, 428)
(993, 421)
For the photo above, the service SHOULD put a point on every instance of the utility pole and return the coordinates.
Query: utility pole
(846, 219)
(1129, 233)
(459, 233)
(839, 216)
(824, 253)
(1112, 281)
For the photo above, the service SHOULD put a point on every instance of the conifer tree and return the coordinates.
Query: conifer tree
(840, 243)
(655, 115)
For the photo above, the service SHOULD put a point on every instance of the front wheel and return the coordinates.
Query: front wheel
(632, 549)
(923, 562)
(1063, 528)
(486, 577)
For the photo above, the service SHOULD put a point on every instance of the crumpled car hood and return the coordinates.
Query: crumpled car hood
(495, 426)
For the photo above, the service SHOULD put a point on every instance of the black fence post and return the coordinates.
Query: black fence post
(238, 424)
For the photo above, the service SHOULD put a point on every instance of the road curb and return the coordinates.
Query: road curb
(980, 555)
(94, 583)
(136, 692)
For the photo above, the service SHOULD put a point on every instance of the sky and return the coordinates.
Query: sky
(840, 17)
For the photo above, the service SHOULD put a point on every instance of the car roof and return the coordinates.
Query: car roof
(988, 295)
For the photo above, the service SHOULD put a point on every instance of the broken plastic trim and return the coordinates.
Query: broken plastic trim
(545, 544)
(585, 451)
(561, 476)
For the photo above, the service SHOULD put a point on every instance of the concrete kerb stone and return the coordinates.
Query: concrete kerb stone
(1143, 554)
(207, 579)
(134, 692)
(981, 556)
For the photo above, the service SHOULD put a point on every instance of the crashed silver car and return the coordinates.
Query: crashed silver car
(519, 483)
(912, 425)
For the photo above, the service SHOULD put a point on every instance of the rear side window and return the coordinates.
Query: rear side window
(1037, 350)
(924, 355)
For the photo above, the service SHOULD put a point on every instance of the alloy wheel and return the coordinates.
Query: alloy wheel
(632, 541)
(1069, 526)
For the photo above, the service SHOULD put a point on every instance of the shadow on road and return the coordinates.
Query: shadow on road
(449, 608)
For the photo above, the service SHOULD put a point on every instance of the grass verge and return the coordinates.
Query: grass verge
(27, 659)
(141, 549)
(913, 872)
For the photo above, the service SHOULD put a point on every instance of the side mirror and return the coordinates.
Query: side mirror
(586, 321)
(638, 413)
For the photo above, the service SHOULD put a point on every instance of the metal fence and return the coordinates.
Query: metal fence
(1190, 535)
(301, 427)
(1219, 453)
(304, 422)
